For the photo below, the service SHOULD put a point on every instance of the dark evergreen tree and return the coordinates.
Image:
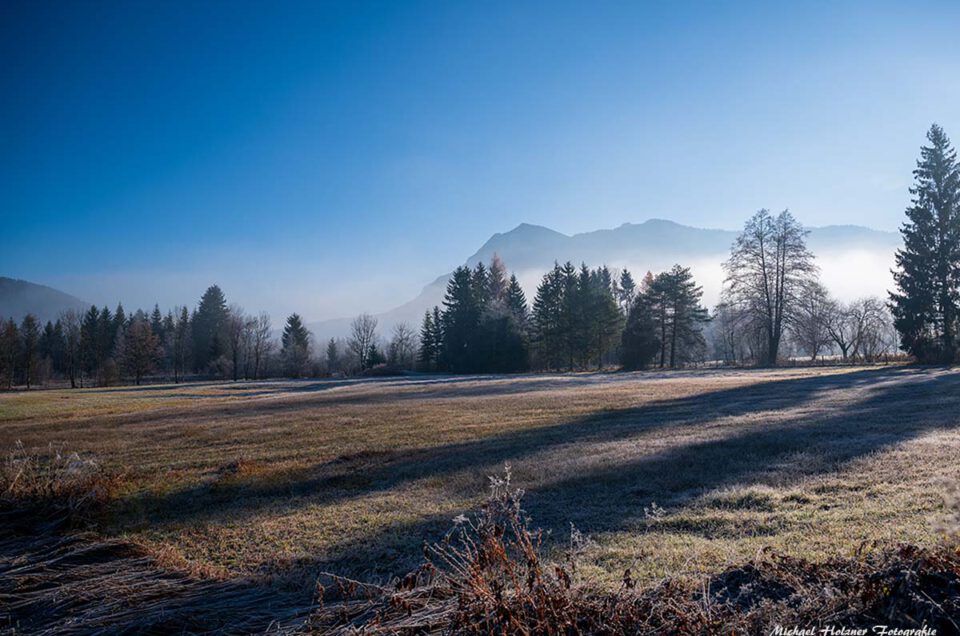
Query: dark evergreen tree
(548, 319)
(209, 330)
(90, 343)
(685, 316)
(29, 349)
(626, 290)
(461, 320)
(375, 356)
(925, 305)
(333, 357)
(517, 303)
(182, 339)
(605, 320)
(295, 347)
(9, 352)
(156, 323)
(430, 344)
(639, 344)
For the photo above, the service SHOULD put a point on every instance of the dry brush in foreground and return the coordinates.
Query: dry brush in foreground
(488, 576)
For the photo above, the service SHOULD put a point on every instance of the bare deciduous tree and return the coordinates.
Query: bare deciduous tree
(262, 344)
(402, 345)
(768, 271)
(809, 327)
(363, 334)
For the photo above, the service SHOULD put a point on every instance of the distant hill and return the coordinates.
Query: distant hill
(854, 260)
(19, 298)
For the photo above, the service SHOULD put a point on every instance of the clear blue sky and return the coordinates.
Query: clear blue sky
(334, 157)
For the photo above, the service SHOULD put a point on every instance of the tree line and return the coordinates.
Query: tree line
(772, 307)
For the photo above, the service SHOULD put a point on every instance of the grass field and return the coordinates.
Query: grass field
(352, 476)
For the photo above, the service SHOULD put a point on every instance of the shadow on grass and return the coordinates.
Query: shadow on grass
(876, 409)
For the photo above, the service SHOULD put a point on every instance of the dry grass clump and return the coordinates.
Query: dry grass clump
(55, 485)
(488, 576)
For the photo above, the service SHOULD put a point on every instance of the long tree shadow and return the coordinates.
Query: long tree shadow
(365, 473)
(612, 497)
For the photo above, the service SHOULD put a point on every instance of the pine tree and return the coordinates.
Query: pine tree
(9, 352)
(209, 330)
(605, 319)
(29, 349)
(90, 343)
(639, 343)
(156, 323)
(548, 319)
(517, 303)
(429, 347)
(333, 357)
(627, 290)
(480, 284)
(295, 346)
(925, 307)
(461, 319)
(686, 316)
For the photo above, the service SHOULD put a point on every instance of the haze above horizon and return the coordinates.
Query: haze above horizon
(331, 158)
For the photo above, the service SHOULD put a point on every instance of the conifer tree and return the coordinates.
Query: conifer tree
(9, 352)
(639, 344)
(626, 290)
(295, 346)
(686, 315)
(517, 303)
(461, 319)
(89, 343)
(429, 345)
(548, 319)
(182, 338)
(29, 349)
(209, 329)
(925, 305)
(333, 357)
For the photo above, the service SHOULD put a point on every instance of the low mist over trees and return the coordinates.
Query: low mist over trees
(773, 307)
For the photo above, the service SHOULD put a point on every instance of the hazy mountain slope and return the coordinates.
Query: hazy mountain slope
(854, 260)
(20, 297)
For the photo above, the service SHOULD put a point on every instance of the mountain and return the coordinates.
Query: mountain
(854, 260)
(19, 298)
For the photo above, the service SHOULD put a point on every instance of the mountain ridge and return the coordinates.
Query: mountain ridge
(655, 244)
(20, 297)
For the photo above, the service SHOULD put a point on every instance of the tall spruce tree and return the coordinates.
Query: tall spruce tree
(29, 349)
(925, 305)
(548, 312)
(429, 355)
(9, 352)
(461, 320)
(209, 330)
(295, 347)
(639, 341)
(686, 317)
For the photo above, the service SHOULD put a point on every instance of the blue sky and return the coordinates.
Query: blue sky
(334, 157)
